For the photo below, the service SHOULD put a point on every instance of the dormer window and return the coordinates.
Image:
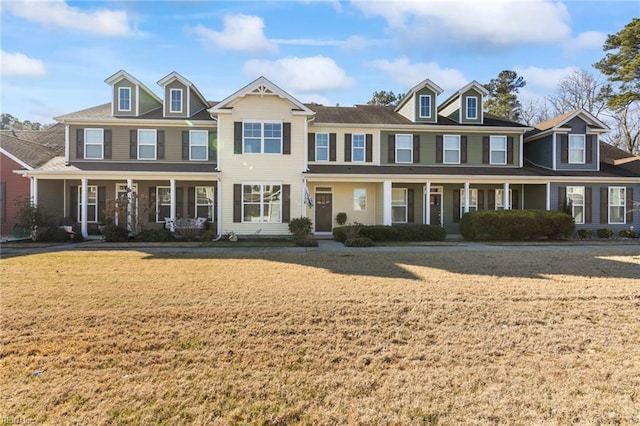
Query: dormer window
(576, 149)
(175, 100)
(425, 106)
(124, 98)
(472, 107)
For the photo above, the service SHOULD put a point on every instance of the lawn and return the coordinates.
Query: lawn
(202, 337)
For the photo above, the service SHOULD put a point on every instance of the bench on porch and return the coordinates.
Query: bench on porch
(182, 224)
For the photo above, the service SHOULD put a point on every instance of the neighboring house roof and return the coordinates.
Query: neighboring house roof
(620, 159)
(32, 153)
(409, 95)
(103, 112)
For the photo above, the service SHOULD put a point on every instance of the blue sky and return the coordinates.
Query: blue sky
(57, 54)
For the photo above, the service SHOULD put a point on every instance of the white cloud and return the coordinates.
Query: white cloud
(308, 75)
(241, 32)
(57, 13)
(543, 78)
(408, 75)
(18, 64)
(497, 23)
(587, 40)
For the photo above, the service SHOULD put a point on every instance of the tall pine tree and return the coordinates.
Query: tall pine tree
(503, 95)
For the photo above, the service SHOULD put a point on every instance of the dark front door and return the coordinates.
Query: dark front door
(436, 209)
(324, 212)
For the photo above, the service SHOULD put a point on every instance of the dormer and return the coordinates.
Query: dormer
(181, 97)
(420, 103)
(465, 105)
(130, 97)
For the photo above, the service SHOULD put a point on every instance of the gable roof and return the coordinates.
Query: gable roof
(263, 87)
(424, 83)
(560, 120)
(123, 74)
(175, 76)
(472, 85)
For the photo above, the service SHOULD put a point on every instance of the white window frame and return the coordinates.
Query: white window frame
(399, 202)
(428, 107)
(492, 149)
(622, 203)
(578, 190)
(401, 138)
(468, 107)
(456, 139)
(120, 98)
(581, 139)
(210, 205)
(360, 199)
(500, 199)
(473, 200)
(261, 202)
(155, 144)
(361, 139)
(263, 138)
(86, 143)
(193, 145)
(171, 92)
(90, 205)
(160, 217)
(321, 147)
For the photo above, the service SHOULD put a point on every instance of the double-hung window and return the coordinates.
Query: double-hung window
(322, 146)
(399, 205)
(500, 199)
(425, 106)
(360, 199)
(92, 203)
(575, 199)
(404, 148)
(204, 202)
(163, 203)
(498, 150)
(146, 144)
(175, 100)
(198, 145)
(451, 149)
(124, 98)
(617, 204)
(576, 149)
(262, 138)
(262, 203)
(472, 107)
(93, 143)
(358, 145)
(473, 200)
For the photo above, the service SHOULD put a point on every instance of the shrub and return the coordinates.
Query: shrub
(404, 232)
(627, 233)
(52, 234)
(341, 218)
(114, 233)
(307, 241)
(516, 225)
(155, 235)
(300, 227)
(340, 234)
(584, 234)
(358, 242)
(604, 233)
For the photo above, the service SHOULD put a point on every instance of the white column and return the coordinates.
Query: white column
(84, 209)
(386, 202)
(130, 220)
(466, 197)
(172, 185)
(64, 198)
(548, 196)
(506, 201)
(427, 203)
(34, 191)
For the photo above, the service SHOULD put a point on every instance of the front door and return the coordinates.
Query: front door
(324, 212)
(435, 201)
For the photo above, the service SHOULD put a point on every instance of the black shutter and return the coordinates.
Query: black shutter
(160, 144)
(286, 203)
(564, 148)
(485, 149)
(237, 202)
(439, 152)
(180, 201)
(108, 145)
(191, 201)
(410, 205)
(332, 147)
(237, 137)
(456, 206)
(629, 205)
(133, 144)
(589, 148)
(347, 147)
(369, 148)
(73, 203)
(510, 150)
(463, 149)
(416, 148)
(102, 202)
(604, 205)
(80, 144)
(286, 138)
(152, 204)
(185, 145)
(491, 199)
(515, 199)
(213, 146)
(587, 205)
(562, 198)
(392, 148)
(480, 199)
(311, 147)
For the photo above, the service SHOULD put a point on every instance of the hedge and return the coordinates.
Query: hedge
(516, 225)
(405, 232)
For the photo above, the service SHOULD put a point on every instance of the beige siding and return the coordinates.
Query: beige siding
(124, 83)
(167, 99)
(451, 108)
(408, 109)
(340, 144)
(343, 201)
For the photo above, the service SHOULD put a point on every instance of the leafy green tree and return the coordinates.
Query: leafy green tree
(8, 121)
(383, 97)
(503, 95)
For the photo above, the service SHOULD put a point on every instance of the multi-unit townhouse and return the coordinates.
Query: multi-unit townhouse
(258, 158)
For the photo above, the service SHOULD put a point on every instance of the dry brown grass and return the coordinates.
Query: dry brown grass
(123, 337)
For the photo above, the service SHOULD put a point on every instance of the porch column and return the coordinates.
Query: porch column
(386, 202)
(85, 208)
(172, 185)
(548, 196)
(34, 191)
(466, 197)
(130, 221)
(427, 203)
(506, 201)
(64, 198)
